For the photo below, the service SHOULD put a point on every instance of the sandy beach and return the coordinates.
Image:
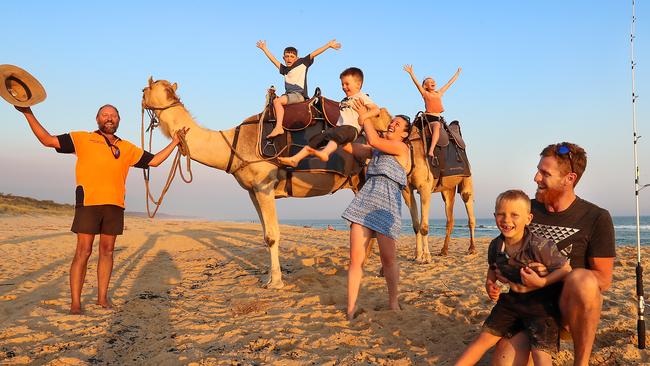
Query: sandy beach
(189, 292)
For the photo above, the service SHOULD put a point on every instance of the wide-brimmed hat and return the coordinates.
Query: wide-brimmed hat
(19, 87)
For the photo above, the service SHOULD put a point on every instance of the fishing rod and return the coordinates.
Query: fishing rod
(640, 324)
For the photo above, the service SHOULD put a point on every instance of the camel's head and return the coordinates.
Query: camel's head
(159, 94)
(382, 121)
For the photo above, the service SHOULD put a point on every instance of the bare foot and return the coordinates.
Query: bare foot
(290, 161)
(321, 155)
(76, 310)
(277, 131)
(106, 304)
(347, 148)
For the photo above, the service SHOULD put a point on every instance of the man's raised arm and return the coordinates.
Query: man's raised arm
(39, 131)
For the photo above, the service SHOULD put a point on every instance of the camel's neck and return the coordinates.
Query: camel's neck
(206, 146)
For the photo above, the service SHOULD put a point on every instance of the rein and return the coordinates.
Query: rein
(233, 145)
(183, 149)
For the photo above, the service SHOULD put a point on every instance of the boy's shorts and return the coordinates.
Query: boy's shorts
(538, 319)
(339, 134)
(294, 97)
(100, 219)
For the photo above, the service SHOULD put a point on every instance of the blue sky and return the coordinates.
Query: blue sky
(534, 73)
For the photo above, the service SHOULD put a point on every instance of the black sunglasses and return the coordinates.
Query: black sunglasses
(114, 149)
(563, 150)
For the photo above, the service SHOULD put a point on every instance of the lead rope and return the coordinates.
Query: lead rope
(183, 149)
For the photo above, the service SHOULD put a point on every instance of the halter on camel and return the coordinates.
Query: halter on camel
(176, 164)
(183, 149)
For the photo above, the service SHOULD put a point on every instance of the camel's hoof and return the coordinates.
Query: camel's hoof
(471, 250)
(273, 285)
(427, 258)
(443, 253)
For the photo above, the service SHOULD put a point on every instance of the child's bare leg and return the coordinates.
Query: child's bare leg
(278, 104)
(325, 153)
(294, 160)
(477, 349)
(359, 238)
(435, 135)
(541, 358)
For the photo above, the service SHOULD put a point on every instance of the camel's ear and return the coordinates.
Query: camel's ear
(150, 80)
(174, 86)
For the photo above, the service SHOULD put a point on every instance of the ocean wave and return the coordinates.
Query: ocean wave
(632, 227)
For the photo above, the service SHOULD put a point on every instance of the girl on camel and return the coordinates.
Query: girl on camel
(432, 102)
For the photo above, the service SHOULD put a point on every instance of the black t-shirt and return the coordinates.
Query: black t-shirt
(582, 231)
(534, 248)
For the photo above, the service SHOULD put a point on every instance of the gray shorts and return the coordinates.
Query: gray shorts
(294, 97)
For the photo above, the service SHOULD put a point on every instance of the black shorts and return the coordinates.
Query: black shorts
(339, 134)
(538, 317)
(101, 219)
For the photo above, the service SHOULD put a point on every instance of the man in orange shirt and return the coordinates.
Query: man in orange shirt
(103, 162)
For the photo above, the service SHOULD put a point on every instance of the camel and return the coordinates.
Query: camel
(421, 179)
(235, 151)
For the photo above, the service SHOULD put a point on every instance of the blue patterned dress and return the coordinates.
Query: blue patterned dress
(378, 205)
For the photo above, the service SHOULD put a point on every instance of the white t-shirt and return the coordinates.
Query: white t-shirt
(295, 77)
(348, 116)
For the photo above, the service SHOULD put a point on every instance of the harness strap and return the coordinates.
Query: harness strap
(233, 148)
(412, 159)
(289, 186)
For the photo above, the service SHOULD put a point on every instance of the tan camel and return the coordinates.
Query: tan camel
(263, 180)
(421, 179)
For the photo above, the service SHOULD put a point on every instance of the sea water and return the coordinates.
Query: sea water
(624, 226)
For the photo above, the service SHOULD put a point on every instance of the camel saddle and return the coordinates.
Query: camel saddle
(301, 122)
(450, 156)
(298, 116)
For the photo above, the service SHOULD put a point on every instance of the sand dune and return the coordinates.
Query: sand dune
(188, 292)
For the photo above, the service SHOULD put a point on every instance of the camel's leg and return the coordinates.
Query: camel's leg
(448, 196)
(265, 205)
(425, 203)
(466, 192)
(409, 198)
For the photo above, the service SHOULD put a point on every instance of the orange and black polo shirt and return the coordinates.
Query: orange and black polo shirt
(100, 175)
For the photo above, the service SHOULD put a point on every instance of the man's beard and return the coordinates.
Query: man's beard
(548, 196)
(108, 130)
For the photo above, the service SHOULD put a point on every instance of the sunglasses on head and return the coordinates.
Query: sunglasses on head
(563, 150)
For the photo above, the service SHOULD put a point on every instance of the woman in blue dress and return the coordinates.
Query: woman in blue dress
(376, 209)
